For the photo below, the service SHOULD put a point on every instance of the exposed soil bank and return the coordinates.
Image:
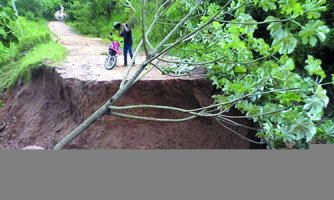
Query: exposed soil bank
(49, 108)
(60, 98)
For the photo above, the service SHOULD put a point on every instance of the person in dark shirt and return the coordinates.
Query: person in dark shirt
(128, 41)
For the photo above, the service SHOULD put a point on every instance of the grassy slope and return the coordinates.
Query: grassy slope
(30, 34)
(36, 58)
(35, 48)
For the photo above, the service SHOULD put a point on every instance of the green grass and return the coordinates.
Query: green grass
(36, 58)
(34, 50)
(30, 34)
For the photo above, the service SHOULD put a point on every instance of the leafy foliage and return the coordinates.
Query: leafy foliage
(325, 132)
(285, 41)
(35, 9)
(314, 8)
(179, 69)
(288, 107)
(247, 22)
(267, 4)
(312, 32)
(96, 17)
(314, 67)
(7, 34)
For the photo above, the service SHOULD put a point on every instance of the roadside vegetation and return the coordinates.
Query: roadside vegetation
(39, 56)
(30, 44)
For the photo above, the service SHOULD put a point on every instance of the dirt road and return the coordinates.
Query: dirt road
(85, 60)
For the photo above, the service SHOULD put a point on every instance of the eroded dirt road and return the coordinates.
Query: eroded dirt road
(86, 60)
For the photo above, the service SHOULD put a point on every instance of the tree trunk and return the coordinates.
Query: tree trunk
(86, 124)
(14, 8)
(100, 112)
(17, 15)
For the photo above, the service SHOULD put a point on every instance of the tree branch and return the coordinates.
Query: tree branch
(259, 115)
(100, 112)
(127, 3)
(233, 123)
(190, 34)
(178, 25)
(158, 14)
(251, 23)
(151, 118)
(143, 2)
(190, 112)
(213, 61)
(252, 141)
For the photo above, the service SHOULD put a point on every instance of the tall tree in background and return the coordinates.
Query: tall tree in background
(14, 8)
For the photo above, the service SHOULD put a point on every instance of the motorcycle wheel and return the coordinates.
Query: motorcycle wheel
(110, 62)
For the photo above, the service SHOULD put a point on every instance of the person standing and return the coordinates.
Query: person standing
(128, 41)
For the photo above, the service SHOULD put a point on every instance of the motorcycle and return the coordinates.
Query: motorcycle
(114, 51)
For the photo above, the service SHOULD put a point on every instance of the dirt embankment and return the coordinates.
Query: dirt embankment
(60, 98)
(44, 111)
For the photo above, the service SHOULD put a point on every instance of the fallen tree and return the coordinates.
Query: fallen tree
(253, 75)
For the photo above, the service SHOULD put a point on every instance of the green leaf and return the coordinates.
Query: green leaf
(268, 5)
(216, 24)
(321, 93)
(313, 31)
(6, 31)
(247, 18)
(291, 7)
(254, 111)
(2, 31)
(303, 128)
(333, 79)
(274, 117)
(287, 98)
(314, 8)
(328, 128)
(260, 46)
(285, 41)
(274, 25)
(314, 67)
(314, 106)
(240, 69)
(215, 81)
(221, 99)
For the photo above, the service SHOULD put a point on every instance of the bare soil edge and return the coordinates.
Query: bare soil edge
(44, 111)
